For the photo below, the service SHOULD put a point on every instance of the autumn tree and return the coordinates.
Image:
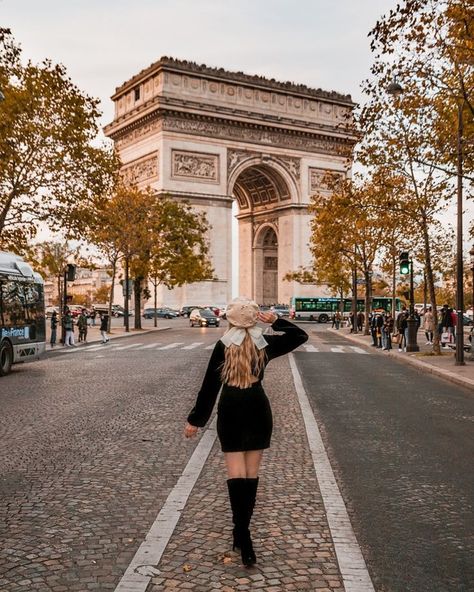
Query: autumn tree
(50, 171)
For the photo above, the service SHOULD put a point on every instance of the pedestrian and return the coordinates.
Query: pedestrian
(446, 325)
(244, 417)
(379, 320)
(68, 324)
(333, 319)
(338, 319)
(428, 326)
(82, 325)
(360, 321)
(104, 326)
(351, 321)
(93, 316)
(402, 328)
(54, 328)
(387, 331)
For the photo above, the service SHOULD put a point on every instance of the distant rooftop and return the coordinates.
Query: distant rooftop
(270, 83)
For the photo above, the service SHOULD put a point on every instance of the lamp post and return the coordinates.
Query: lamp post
(396, 90)
(412, 325)
(471, 253)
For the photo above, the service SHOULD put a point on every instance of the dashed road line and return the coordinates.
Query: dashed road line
(128, 346)
(310, 348)
(171, 345)
(193, 345)
(338, 350)
(352, 565)
(358, 350)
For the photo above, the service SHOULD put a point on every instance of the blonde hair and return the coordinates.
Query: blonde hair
(242, 364)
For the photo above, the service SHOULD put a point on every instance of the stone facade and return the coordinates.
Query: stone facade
(212, 137)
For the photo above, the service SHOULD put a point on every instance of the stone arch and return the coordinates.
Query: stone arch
(265, 256)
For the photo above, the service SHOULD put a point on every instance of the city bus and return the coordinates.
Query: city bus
(22, 312)
(322, 309)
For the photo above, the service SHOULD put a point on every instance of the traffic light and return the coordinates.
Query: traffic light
(71, 272)
(404, 263)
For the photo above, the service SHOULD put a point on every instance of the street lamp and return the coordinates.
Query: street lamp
(394, 89)
(471, 253)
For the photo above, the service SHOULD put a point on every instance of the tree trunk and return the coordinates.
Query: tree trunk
(368, 300)
(137, 290)
(431, 287)
(155, 300)
(126, 320)
(111, 296)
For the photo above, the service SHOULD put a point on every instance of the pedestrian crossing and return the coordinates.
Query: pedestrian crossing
(121, 346)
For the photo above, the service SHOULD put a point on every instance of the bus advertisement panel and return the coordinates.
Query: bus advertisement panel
(322, 309)
(22, 312)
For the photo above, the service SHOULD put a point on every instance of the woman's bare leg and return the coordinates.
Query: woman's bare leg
(235, 463)
(253, 458)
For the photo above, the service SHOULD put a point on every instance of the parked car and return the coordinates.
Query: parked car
(203, 317)
(161, 313)
(185, 311)
(281, 310)
(119, 311)
(75, 309)
(50, 309)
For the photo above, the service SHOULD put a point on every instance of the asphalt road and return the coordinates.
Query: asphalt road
(402, 446)
(91, 444)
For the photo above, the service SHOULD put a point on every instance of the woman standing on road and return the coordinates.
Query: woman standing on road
(244, 416)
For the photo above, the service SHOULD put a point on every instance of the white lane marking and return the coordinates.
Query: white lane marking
(128, 346)
(338, 350)
(211, 346)
(171, 345)
(144, 565)
(352, 565)
(358, 350)
(150, 345)
(193, 345)
(310, 348)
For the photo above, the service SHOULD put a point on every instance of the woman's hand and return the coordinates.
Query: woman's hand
(267, 317)
(189, 430)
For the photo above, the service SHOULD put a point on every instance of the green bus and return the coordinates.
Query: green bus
(22, 312)
(322, 309)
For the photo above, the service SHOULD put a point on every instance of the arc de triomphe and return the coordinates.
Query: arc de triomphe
(211, 137)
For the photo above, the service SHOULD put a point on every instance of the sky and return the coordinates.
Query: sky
(102, 43)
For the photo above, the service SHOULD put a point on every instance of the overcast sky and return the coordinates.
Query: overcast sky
(102, 43)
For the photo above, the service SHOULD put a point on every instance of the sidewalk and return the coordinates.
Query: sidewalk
(442, 366)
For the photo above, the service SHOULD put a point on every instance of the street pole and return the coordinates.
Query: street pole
(412, 345)
(63, 314)
(459, 258)
(354, 295)
(125, 307)
(471, 253)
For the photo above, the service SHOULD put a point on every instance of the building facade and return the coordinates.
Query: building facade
(213, 138)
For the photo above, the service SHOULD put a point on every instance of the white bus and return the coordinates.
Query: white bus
(322, 309)
(22, 312)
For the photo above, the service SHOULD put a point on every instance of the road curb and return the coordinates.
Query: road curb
(429, 368)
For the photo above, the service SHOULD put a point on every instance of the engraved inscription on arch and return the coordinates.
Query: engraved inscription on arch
(196, 165)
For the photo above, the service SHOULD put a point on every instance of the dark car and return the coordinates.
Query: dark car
(185, 311)
(203, 317)
(119, 311)
(161, 313)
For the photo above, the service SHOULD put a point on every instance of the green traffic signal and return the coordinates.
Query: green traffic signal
(404, 263)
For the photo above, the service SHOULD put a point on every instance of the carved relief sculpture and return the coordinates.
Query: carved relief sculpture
(141, 170)
(317, 181)
(199, 166)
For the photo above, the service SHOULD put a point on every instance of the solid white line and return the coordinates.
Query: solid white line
(144, 565)
(193, 345)
(352, 565)
(358, 350)
(310, 348)
(171, 345)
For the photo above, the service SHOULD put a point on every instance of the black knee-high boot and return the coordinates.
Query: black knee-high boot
(252, 486)
(239, 502)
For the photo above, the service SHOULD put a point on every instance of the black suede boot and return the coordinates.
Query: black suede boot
(239, 502)
(237, 497)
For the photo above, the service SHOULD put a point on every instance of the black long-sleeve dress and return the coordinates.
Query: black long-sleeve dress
(244, 416)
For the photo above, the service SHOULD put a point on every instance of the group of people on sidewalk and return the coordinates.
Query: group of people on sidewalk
(385, 330)
(82, 323)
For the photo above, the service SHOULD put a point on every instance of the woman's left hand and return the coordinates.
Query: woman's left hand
(190, 431)
(267, 317)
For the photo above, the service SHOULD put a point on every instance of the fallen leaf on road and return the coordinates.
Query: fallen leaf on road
(187, 567)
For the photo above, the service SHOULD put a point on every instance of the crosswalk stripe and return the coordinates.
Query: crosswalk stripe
(358, 350)
(171, 345)
(127, 346)
(211, 346)
(193, 345)
(337, 350)
(310, 348)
